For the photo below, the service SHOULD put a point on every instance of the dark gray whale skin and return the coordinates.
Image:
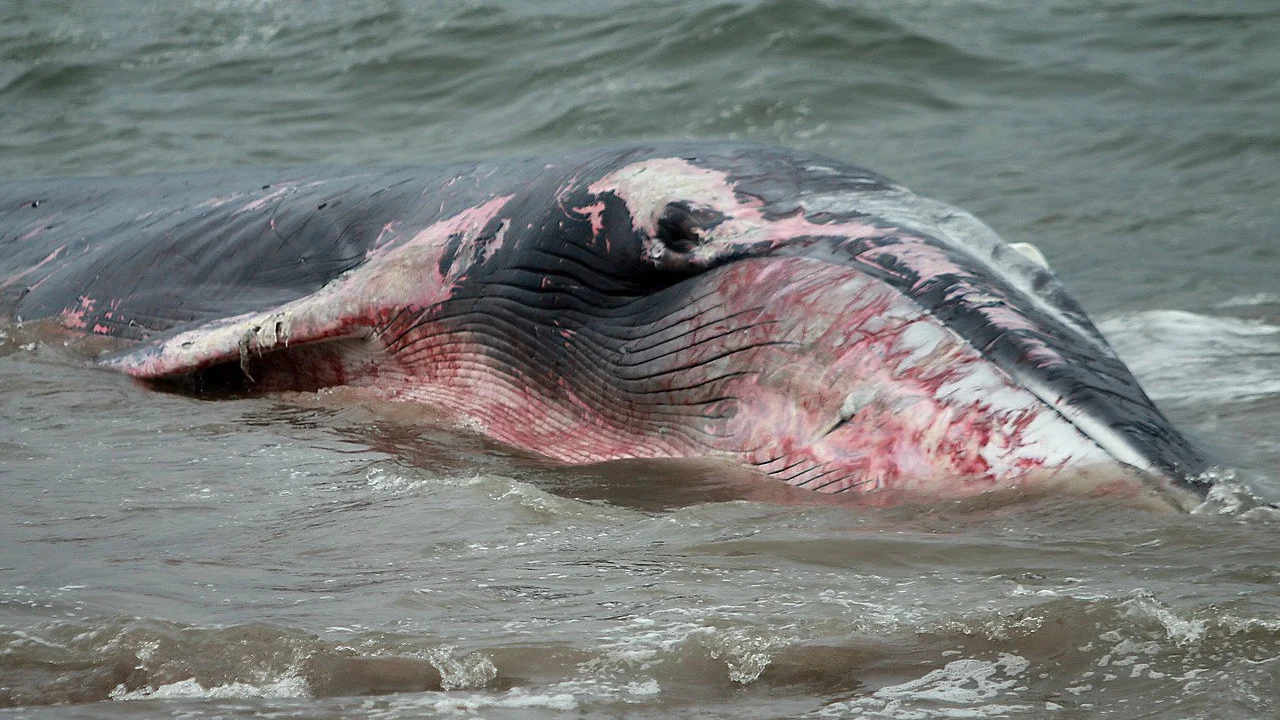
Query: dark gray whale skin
(600, 280)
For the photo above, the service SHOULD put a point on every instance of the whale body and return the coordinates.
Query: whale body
(801, 316)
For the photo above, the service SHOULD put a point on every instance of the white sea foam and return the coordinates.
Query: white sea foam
(647, 643)
(381, 480)
(1254, 300)
(468, 704)
(960, 689)
(289, 686)
(1187, 358)
(1184, 632)
(472, 670)
(1229, 496)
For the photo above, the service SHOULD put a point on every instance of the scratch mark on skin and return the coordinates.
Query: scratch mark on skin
(595, 213)
(386, 235)
(34, 268)
(279, 193)
(219, 201)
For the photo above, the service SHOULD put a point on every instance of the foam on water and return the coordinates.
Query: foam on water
(285, 687)
(960, 689)
(1184, 358)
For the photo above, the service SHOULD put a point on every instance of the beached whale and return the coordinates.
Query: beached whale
(804, 317)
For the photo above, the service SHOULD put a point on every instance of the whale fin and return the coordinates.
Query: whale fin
(1031, 252)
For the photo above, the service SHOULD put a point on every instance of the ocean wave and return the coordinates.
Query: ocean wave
(1185, 358)
(1136, 641)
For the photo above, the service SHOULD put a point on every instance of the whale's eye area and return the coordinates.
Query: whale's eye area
(683, 227)
(678, 229)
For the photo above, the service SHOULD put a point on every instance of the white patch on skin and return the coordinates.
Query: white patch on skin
(1100, 432)
(1032, 253)
(1055, 443)
(1047, 439)
(982, 383)
(922, 338)
(857, 400)
(647, 187)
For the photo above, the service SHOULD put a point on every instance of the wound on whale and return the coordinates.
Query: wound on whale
(798, 315)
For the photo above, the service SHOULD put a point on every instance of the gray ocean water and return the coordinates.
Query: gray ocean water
(312, 556)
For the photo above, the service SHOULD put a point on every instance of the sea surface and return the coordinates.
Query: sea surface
(313, 556)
